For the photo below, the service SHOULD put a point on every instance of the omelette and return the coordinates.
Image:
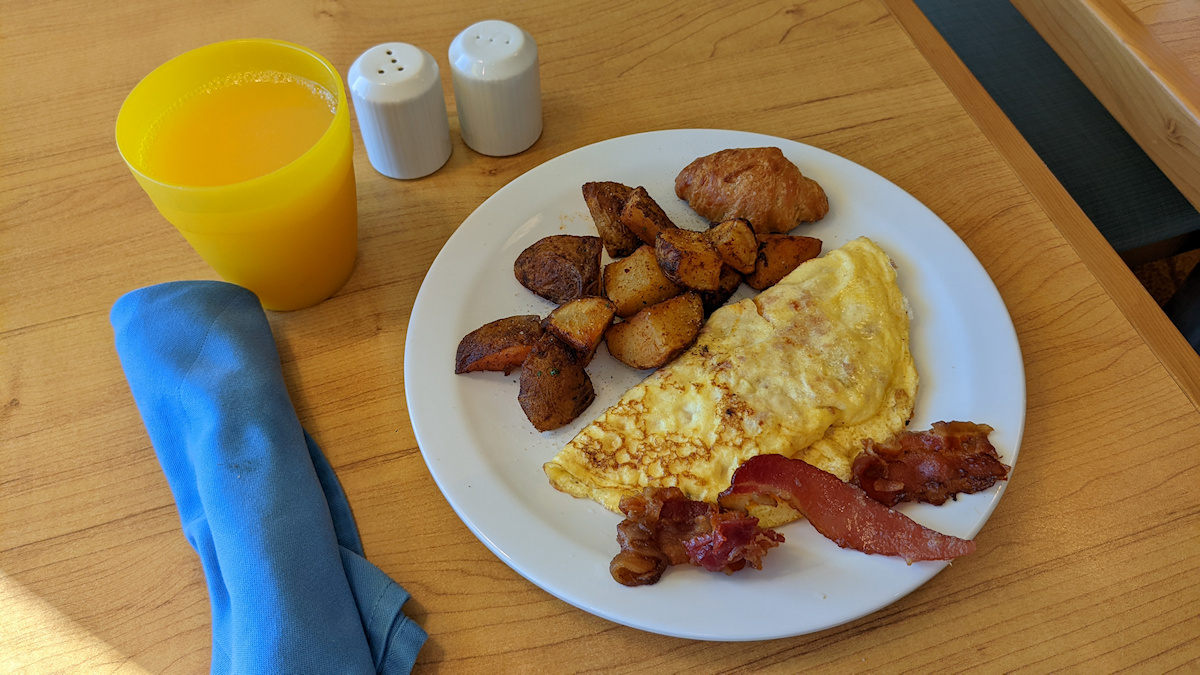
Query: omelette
(808, 368)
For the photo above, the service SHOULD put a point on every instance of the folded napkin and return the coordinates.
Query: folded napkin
(290, 589)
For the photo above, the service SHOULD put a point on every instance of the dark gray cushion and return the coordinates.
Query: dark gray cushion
(1125, 194)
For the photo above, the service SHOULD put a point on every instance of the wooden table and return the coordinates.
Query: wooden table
(1089, 562)
(1141, 59)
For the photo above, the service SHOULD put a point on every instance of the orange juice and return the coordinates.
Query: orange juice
(239, 128)
(245, 147)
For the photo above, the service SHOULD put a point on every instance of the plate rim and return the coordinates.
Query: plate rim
(743, 139)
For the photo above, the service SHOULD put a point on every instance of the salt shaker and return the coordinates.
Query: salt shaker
(497, 90)
(401, 110)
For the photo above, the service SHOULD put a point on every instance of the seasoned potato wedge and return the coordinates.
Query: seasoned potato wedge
(581, 323)
(778, 255)
(605, 201)
(657, 334)
(730, 280)
(644, 217)
(561, 267)
(500, 345)
(555, 388)
(688, 259)
(735, 242)
(637, 282)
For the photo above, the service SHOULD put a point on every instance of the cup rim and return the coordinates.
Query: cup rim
(340, 113)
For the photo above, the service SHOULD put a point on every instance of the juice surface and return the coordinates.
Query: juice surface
(238, 128)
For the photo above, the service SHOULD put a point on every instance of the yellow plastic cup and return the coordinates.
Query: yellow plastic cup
(291, 235)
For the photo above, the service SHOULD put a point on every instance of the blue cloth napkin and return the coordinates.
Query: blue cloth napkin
(290, 589)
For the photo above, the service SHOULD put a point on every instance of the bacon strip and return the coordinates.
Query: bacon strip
(735, 540)
(929, 466)
(840, 511)
(663, 527)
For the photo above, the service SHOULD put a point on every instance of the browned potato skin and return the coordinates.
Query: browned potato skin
(637, 282)
(657, 334)
(581, 323)
(730, 280)
(561, 267)
(736, 244)
(500, 345)
(778, 255)
(644, 217)
(605, 201)
(688, 259)
(555, 388)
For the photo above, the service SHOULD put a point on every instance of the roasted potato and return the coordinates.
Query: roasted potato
(688, 259)
(581, 323)
(561, 267)
(644, 217)
(501, 345)
(730, 280)
(657, 334)
(637, 282)
(735, 242)
(605, 201)
(555, 388)
(778, 255)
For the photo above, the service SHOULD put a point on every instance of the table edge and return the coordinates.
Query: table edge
(1143, 313)
(1107, 31)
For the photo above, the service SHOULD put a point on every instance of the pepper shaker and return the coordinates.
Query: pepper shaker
(401, 110)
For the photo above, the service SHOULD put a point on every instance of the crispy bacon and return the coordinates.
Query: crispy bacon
(735, 540)
(662, 527)
(929, 466)
(839, 511)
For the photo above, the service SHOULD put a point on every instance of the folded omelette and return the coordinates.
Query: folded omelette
(808, 368)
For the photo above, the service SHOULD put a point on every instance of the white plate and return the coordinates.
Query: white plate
(487, 459)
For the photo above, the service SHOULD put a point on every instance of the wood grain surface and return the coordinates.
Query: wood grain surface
(1175, 23)
(1088, 563)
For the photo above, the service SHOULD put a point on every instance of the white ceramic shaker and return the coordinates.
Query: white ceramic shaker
(497, 91)
(401, 110)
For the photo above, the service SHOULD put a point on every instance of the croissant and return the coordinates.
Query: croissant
(758, 184)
